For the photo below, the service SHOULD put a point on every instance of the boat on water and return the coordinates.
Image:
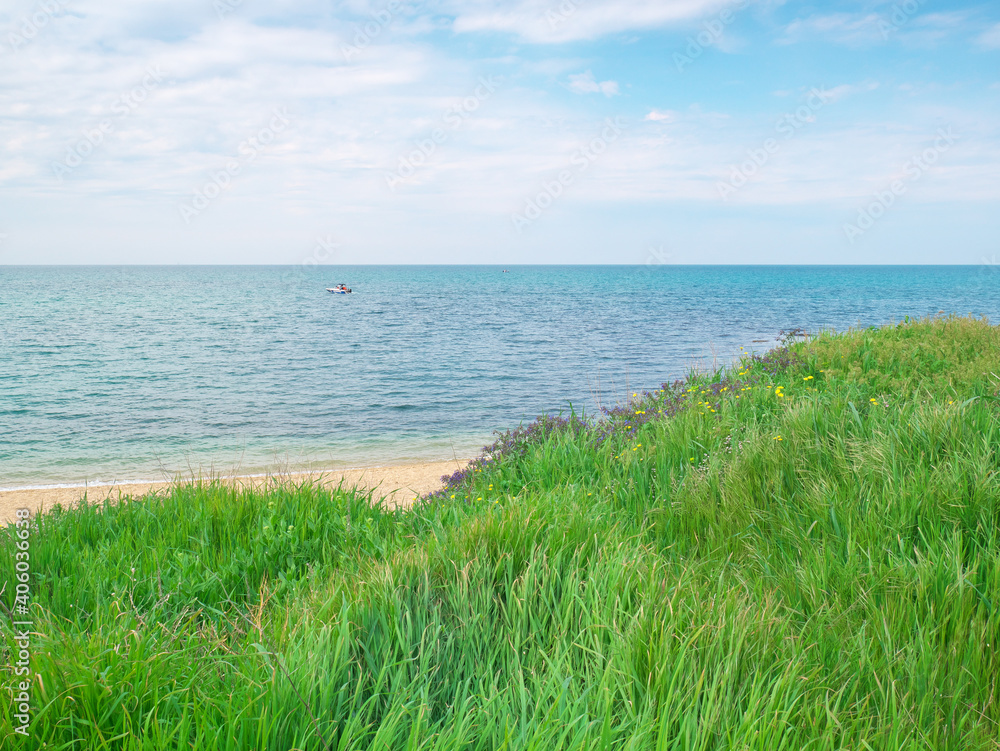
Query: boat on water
(339, 289)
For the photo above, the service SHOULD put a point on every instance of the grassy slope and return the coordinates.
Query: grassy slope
(814, 566)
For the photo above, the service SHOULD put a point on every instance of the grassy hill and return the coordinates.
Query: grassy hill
(801, 551)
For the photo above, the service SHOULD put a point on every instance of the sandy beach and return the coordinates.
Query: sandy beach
(397, 484)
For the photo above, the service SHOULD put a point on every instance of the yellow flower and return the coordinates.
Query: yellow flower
(807, 378)
(778, 438)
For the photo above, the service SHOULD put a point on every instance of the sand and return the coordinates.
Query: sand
(397, 484)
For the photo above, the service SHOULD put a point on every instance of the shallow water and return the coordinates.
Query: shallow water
(115, 373)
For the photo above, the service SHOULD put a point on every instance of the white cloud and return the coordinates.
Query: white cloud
(991, 38)
(353, 117)
(585, 83)
(866, 29)
(661, 116)
(845, 28)
(553, 21)
(837, 93)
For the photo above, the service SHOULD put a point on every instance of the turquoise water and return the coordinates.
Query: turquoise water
(117, 373)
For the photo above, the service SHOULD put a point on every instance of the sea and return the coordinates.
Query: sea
(118, 373)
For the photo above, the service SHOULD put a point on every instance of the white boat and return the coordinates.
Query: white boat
(339, 289)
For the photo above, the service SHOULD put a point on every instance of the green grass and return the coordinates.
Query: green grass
(702, 584)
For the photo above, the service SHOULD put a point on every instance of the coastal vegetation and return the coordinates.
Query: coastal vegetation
(800, 551)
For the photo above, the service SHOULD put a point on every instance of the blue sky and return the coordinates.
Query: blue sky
(528, 131)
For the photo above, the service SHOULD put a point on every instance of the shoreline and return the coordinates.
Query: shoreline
(394, 484)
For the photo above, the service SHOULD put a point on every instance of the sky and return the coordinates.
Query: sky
(473, 131)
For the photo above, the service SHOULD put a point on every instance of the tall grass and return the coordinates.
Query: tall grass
(790, 554)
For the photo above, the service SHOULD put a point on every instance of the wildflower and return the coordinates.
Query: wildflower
(453, 497)
(807, 378)
(873, 402)
(778, 438)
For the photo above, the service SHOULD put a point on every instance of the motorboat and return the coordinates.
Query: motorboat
(339, 289)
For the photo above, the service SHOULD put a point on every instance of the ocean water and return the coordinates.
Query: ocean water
(119, 373)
